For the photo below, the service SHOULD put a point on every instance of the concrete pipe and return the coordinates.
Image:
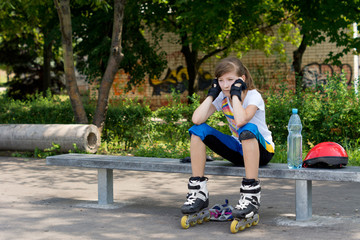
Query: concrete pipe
(27, 137)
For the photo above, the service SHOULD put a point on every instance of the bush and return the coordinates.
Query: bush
(329, 114)
(332, 114)
(127, 122)
(169, 135)
(173, 121)
(278, 109)
(36, 110)
(176, 121)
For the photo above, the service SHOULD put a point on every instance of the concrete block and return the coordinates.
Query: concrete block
(27, 137)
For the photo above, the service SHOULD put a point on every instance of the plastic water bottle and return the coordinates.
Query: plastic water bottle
(294, 141)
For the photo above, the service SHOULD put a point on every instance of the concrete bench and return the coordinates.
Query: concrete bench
(106, 163)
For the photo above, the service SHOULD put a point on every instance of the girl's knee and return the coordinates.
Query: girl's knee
(195, 138)
(246, 135)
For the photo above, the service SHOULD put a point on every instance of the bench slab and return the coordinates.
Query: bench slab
(225, 168)
(106, 163)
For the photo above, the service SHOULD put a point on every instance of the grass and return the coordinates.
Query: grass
(353, 152)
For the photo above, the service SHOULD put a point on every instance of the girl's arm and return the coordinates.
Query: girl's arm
(204, 111)
(242, 115)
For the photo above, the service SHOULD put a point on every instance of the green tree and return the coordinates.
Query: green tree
(27, 38)
(96, 32)
(30, 41)
(93, 30)
(320, 21)
(208, 28)
(115, 57)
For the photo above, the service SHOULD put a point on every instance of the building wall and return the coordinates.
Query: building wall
(266, 71)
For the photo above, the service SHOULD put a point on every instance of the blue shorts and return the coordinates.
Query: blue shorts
(230, 148)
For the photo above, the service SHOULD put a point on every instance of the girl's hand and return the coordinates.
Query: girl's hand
(215, 89)
(237, 87)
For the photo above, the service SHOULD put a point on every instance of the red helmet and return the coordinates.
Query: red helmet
(326, 154)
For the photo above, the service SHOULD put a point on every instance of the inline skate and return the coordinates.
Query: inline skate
(197, 201)
(246, 211)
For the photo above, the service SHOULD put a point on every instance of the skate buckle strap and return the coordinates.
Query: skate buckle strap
(195, 187)
(256, 190)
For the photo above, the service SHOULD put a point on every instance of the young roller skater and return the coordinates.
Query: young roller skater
(250, 145)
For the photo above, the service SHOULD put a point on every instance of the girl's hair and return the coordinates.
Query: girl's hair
(230, 64)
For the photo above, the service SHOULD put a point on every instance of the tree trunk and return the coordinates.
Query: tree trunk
(191, 65)
(297, 57)
(112, 67)
(63, 9)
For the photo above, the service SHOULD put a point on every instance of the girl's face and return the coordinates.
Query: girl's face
(226, 80)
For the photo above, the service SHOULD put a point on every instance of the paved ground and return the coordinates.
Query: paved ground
(43, 202)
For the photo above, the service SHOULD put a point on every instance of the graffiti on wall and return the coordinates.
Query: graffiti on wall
(315, 74)
(178, 79)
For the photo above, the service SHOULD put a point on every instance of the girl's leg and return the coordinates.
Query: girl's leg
(250, 189)
(251, 153)
(197, 156)
(255, 154)
(198, 195)
(202, 135)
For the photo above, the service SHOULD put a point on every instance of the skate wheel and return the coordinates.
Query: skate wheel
(233, 226)
(199, 221)
(243, 225)
(184, 223)
(257, 221)
(207, 216)
(248, 225)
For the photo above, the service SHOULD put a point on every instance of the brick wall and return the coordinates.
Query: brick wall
(266, 71)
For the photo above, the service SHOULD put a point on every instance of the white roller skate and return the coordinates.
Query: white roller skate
(245, 212)
(197, 201)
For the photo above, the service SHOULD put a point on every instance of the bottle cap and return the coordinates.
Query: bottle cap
(294, 111)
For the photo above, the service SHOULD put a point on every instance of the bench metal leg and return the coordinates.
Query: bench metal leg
(105, 186)
(303, 200)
